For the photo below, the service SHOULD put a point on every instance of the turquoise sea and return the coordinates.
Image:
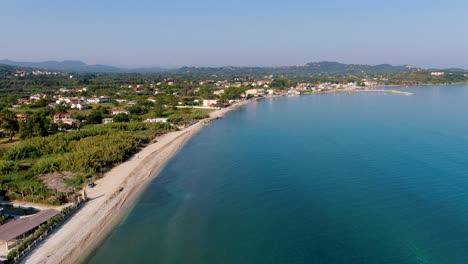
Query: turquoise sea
(338, 178)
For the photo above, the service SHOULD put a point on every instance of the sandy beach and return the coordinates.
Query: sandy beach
(113, 197)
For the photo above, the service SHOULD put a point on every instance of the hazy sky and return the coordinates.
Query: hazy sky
(425, 33)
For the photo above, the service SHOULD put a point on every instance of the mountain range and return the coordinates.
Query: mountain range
(323, 67)
(78, 66)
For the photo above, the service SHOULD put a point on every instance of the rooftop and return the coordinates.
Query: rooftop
(18, 227)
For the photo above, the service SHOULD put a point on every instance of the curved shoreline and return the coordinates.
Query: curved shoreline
(113, 197)
(366, 91)
(116, 194)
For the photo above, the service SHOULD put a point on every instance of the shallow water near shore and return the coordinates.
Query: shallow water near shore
(336, 178)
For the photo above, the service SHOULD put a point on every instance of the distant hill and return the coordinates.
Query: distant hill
(335, 67)
(453, 70)
(323, 67)
(77, 66)
(6, 70)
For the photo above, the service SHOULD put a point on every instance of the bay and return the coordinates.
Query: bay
(336, 178)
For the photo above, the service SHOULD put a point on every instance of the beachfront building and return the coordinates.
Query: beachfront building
(254, 92)
(209, 103)
(219, 92)
(156, 120)
(15, 230)
(294, 92)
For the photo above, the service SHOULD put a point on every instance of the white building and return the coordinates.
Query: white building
(93, 100)
(97, 100)
(218, 92)
(37, 97)
(104, 99)
(119, 111)
(82, 106)
(156, 120)
(437, 73)
(210, 102)
(107, 120)
(254, 92)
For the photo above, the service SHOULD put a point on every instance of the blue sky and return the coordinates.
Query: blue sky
(244, 32)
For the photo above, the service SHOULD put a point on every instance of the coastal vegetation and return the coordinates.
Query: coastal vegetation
(87, 152)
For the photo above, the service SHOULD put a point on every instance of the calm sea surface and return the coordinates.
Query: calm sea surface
(362, 178)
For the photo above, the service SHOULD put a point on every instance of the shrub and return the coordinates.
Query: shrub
(22, 151)
(12, 254)
(121, 118)
(75, 182)
(7, 166)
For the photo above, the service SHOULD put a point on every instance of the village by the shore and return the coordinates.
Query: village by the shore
(258, 88)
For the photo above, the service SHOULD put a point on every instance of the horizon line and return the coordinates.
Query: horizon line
(224, 66)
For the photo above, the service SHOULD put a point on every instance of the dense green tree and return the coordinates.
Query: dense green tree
(143, 102)
(104, 110)
(78, 124)
(121, 118)
(80, 117)
(43, 102)
(37, 124)
(205, 92)
(135, 110)
(281, 83)
(61, 108)
(95, 117)
(172, 101)
(223, 98)
(9, 122)
(234, 92)
(158, 108)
